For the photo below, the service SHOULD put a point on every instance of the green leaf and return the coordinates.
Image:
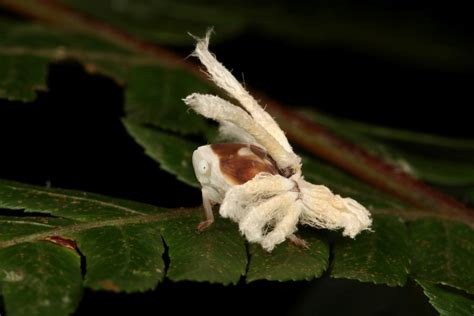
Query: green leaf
(16, 226)
(172, 152)
(121, 242)
(290, 262)
(21, 76)
(451, 162)
(380, 256)
(74, 205)
(40, 278)
(168, 22)
(24, 39)
(217, 255)
(316, 171)
(443, 252)
(154, 97)
(122, 258)
(447, 303)
(26, 50)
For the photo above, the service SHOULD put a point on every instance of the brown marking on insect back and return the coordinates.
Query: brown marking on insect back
(237, 168)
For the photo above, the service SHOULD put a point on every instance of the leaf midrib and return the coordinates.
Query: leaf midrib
(62, 53)
(121, 221)
(76, 198)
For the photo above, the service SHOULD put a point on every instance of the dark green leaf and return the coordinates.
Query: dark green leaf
(446, 302)
(40, 278)
(154, 90)
(120, 240)
(26, 50)
(443, 252)
(346, 185)
(288, 261)
(217, 255)
(154, 97)
(380, 256)
(168, 22)
(15, 226)
(73, 205)
(172, 152)
(451, 161)
(122, 258)
(21, 76)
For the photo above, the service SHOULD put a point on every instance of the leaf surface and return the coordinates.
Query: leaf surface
(122, 251)
(443, 252)
(450, 163)
(40, 278)
(217, 255)
(380, 256)
(168, 22)
(447, 303)
(289, 262)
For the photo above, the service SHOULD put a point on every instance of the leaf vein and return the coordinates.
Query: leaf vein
(78, 198)
(26, 223)
(75, 228)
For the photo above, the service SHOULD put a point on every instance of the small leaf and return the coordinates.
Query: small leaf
(123, 258)
(443, 252)
(70, 204)
(450, 163)
(40, 278)
(446, 302)
(173, 153)
(154, 97)
(168, 22)
(21, 76)
(342, 183)
(26, 50)
(379, 256)
(120, 240)
(217, 255)
(288, 261)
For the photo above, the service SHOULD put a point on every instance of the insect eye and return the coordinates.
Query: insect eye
(203, 167)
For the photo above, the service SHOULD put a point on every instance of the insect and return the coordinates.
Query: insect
(258, 180)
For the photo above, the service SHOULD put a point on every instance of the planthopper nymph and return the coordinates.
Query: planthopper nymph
(257, 181)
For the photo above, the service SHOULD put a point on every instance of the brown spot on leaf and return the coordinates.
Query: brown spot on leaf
(239, 168)
(109, 286)
(90, 68)
(62, 241)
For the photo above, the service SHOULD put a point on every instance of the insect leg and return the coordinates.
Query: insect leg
(207, 212)
(253, 224)
(298, 241)
(240, 198)
(285, 227)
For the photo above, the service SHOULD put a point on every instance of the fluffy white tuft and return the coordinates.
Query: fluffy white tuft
(269, 207)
